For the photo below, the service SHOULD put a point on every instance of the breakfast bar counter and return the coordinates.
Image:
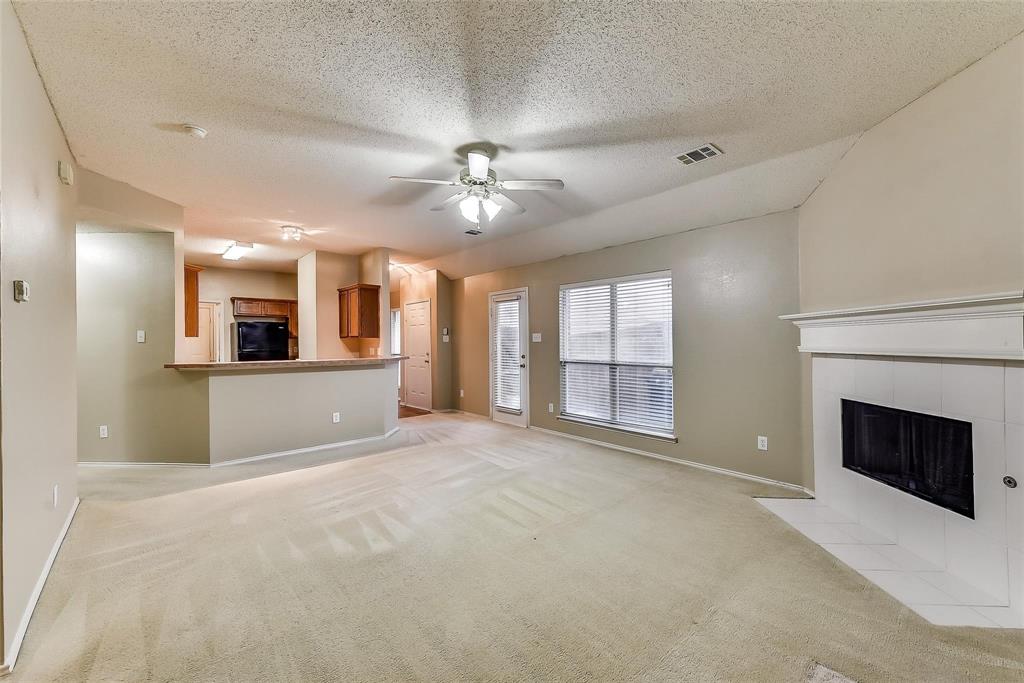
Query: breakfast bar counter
(263, 409)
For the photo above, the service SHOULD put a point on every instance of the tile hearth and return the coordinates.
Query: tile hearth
(936, 595)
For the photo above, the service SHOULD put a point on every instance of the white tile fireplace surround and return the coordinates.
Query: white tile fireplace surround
(961, 359)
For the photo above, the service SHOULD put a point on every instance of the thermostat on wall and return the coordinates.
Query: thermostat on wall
(21, 291)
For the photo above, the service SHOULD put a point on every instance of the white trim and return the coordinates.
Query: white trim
(26, 617)
(308, 449)
(612, 280)
(910, 305)
(983, 327)
(680, 461)
(114, 463)
(254, 458)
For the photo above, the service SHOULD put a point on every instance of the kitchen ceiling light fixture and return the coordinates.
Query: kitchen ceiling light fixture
(292, 232)
(237, 250)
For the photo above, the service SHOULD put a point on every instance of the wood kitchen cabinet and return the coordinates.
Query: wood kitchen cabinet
(359, 311)
(293, 319)
(192, 300)
(262, 308)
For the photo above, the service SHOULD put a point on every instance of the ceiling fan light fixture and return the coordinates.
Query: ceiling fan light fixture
(470, 208)
(491, 207)
(479, 164)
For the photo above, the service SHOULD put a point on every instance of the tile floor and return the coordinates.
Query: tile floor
(936, 595)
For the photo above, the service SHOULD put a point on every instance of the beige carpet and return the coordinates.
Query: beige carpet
(468, 551)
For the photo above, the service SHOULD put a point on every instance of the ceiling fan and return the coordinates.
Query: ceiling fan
(484, 196)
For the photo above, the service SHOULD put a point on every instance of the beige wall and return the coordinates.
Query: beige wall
(433, 286)
(737, 371)
(112, 202)
(220, 284)
(125, 284)
(320, 276)
(37, 340)
(930, 202)
(246, 421)
(373, 270)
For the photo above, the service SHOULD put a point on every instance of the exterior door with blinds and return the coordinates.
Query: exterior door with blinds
(510, 373)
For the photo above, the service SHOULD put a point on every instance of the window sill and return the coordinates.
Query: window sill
(632, 431)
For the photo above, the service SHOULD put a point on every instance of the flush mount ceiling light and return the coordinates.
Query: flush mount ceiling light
(292, 232)
(237, 250)
(194, 131)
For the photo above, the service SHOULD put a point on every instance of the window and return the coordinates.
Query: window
(616, 353)
(396, 332)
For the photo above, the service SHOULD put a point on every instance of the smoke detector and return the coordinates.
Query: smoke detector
(705, 151)
(194, 131)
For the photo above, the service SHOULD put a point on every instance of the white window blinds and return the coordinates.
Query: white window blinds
(506, 361)
(616, 352)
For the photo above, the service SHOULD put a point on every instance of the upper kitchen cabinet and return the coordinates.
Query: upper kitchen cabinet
(269, 308)
(192, 300)
(360, 311)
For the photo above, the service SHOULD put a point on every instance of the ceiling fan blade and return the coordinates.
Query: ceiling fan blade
(478, 165)
(506, 203)
(424, 180)
(532, 184)
(454, 199)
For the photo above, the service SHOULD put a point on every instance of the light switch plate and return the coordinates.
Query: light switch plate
(535, 337)
(335, 418)
(140, 336)
(103, 432)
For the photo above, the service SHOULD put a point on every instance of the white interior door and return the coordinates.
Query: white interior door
(510, 375)
(203, 349)
(417, 347)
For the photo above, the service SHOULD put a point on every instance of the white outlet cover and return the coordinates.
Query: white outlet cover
(140, 336)
(103, 432)
(536, 337)
(551, 407)
(55, 489)
(762, 443)
(444, 338)
(462, 393)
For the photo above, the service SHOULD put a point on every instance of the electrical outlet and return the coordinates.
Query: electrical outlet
(335, 418)
(462, 393)
(103, 431)
(762, 443)
(140, 336)
(55, 490)
(551, 407)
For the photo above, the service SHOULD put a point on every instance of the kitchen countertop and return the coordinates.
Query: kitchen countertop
(287, 364)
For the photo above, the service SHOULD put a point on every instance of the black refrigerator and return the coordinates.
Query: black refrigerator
(260, 341)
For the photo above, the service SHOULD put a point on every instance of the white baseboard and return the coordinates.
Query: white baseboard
(19, 635)
(239, 461)
(114, 463)
(308, 449)
(680, 461)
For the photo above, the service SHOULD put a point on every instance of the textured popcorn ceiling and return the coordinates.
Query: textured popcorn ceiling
(310, 106)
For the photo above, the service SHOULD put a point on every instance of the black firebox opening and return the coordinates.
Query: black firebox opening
(927, 456)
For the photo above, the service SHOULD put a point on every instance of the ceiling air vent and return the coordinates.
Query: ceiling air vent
(703, 152)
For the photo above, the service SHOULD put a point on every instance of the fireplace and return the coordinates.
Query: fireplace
(924, 455)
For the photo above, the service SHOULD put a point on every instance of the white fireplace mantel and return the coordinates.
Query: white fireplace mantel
(983, 327)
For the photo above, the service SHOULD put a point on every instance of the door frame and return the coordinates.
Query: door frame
(403, 379)
(219, 338)
(524, 348)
